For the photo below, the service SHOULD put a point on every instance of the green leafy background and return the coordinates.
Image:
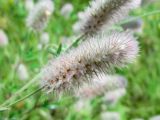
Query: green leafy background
(143, 91)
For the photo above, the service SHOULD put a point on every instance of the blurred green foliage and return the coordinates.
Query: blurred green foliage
(142, 99)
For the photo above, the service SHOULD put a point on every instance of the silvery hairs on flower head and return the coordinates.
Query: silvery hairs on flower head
(102, 14)
(39, 15)
(100, 85)
(96, 55)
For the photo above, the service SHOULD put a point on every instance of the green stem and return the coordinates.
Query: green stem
(22, 89)
(27, 96)
(75, 42)
(137, 17)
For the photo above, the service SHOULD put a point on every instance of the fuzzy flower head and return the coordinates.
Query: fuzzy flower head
(39, 15)
(156, 117)
(3, 38)
(101, 85)
(97, 55)
(101, 14)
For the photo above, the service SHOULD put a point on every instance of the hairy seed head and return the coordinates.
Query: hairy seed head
(39, 15)
(104, 13)
(101, 85)
(98, 54)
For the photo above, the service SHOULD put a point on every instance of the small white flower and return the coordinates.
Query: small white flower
(3, 38)
(157, 117)
(39, 15)
(137, 119)
(39, 46)
(67, 10)
(110, 116)
(44, 38)
(112, 97)
(22, 72)
(29, 4)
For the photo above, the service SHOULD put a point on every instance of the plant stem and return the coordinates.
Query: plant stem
(27, 96)
(137, 17)
(22, 89)
(75, 42)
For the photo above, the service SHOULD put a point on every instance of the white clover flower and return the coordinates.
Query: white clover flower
(44, 38)
(3, 38)
(110, 116)
(101, 14)
(40, 14)
(22, 72)
(66, 10)
(29, 4)
(98, 54)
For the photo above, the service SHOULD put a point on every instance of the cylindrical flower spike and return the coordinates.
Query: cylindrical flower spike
(101, 85)
(98, 54)
(104, 13)
(39, 15)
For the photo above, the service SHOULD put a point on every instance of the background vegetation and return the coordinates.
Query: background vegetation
(143, 96)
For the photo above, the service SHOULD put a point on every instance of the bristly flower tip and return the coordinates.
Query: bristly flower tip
(97, 55)
(104, 13)
(101, 85)
(39, 15)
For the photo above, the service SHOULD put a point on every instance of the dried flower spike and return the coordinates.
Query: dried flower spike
(98, 54)
(103, 13)
(39, 15)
